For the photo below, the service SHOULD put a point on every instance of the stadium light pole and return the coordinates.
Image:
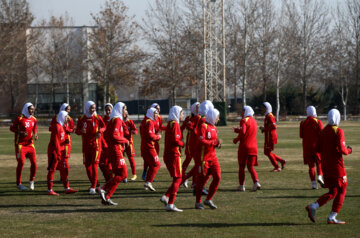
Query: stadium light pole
(214, 59)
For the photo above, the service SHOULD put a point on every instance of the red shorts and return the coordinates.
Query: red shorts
(244, 159)
(173, 164)
(335, 182)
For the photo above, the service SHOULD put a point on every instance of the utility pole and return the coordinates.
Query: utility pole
(214, 50)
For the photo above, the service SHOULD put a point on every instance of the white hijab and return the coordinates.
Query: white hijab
(193, 108)
(150, 113)
(61, 117)
(334, 117)
(212, 115)
(154, 105)
(108, 104)
(249, 112)
(117, 111)
(204, 107)
(311, 111)
(174, 114)
(63, 107)
(268, 108)
(87, 106)
(25, 110)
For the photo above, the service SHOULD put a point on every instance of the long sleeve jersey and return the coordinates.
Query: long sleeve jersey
(23, 124)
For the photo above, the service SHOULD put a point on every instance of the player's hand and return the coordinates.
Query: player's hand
(159, 136)
(23, 133)
(98, 134)
(36, 137)
(133, 132)
(83, 131)
(235, 140)
(349, 147)
(219, 143)
(262, 129)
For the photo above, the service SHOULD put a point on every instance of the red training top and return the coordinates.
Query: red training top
(57, 139)
(208, 141)
(23, 124)
(310, 130)
(270, 130)
(173, 139)
(247, 136)
(92, 125)
(332, 147)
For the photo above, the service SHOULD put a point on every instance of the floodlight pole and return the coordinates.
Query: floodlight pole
(214, 61)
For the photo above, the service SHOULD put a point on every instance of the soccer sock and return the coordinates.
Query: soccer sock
(314, 205)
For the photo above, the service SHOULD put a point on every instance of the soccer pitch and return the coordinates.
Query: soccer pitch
(277, 210)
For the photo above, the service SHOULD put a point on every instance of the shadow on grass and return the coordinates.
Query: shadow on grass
(286, 197)
(219, 225)
(109, 210)
(43, 205)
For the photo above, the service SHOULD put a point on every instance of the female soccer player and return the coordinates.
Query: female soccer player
(91, 126)
(56, 150)
(247, 152)
(63, 164)
(25, 130)
(172, 153)
(208, 141)
(310, 130)
(148, 150)
(332, 147)
(269, 129)
(105, 164)
(158, 125)
(190, 123)
(130, 150)
(114, 135)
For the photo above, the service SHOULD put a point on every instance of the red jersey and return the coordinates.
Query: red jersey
(270, 130)
(148, 135)
(114, 134)
(69, 127)
(173, 139)
(310, 130)
(106, 120)
(247, 136)
(92, 125)
(332, 147)
(158, 125)
(208, 141)
(131, 127)
(57, 139)
(23, 124)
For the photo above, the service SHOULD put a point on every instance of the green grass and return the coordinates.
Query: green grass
(277, 210)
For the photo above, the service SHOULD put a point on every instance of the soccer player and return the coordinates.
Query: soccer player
(332, 147)
(310, 130)
(25, 130)
(130, 150)
(63, 164)
(56, 151)
(190, 123)
(148, 150)
(91, 126)
(269, 129)
(172, 159)
(247, 152)
(105, 164)
(208, 141)
(114, 135)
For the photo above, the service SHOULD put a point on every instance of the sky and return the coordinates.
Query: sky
(80, 10)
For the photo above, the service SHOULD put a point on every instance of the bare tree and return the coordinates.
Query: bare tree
(113, 51)
(15, 17)
(309, 21)
(265, 37)
(352, 20)
(165, 30)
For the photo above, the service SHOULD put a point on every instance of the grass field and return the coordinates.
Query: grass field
(277, 210)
